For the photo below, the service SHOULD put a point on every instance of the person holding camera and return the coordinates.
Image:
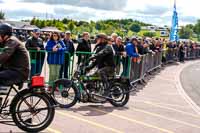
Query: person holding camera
(56, 53)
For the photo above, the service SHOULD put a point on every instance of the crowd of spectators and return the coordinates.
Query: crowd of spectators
(57, 44)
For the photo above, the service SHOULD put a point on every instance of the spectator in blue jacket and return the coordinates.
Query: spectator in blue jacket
(131, 48)
(56, 53)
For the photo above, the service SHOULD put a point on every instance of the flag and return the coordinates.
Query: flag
(174, 28)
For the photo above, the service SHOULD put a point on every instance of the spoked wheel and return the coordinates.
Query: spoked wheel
(117, 94)
(66, 97)
(32, 112)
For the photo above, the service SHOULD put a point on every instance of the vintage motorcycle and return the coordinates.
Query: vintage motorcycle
(83, 88)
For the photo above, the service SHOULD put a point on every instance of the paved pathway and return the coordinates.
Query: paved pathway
(159, 107)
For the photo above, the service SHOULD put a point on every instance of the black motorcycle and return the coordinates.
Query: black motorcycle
(82, 88)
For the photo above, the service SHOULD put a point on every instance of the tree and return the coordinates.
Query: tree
(2, 15)
(98, 26)
(71, 26)
(33, 21)
(197, 29)
(135, 27)
(37, 22)
(185, 33)
(43, 24)
(65, 20)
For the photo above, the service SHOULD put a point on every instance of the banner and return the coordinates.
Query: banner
(174, 28)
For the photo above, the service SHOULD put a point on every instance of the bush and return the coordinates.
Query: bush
(149, 34)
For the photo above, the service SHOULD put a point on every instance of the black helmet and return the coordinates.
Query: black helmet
(5, 29)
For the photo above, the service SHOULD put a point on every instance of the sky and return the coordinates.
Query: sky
(157, 12)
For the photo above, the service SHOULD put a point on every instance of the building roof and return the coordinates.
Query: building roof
(50, 29)
(15, 24)
(29, 27)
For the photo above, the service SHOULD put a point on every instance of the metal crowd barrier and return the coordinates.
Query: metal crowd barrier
(192, 53)
(131, 68)
(147, 63)
(172, 54)
(59, 65)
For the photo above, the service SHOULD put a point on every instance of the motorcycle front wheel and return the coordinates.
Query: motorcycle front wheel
(65, 96)
(119, 96)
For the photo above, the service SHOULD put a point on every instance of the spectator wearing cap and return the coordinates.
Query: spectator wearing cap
(119, 51)
(145, 45)
(56, 49)
(35, 44)
(70, 45)
(84, 45)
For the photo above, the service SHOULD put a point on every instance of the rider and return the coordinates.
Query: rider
(104, 60)
(14, 60)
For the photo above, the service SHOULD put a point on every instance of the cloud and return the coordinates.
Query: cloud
(188, 19)
(23, 14)
(96, 4)
(74, 13)
(153, 10)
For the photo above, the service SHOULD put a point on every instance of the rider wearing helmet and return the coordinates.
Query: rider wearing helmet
(103, 59)
(14, 61)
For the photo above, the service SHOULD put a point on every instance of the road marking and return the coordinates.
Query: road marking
(172, 109)
(173, 105)
(90, 122)
(133, 120)
(53, 130)
(164, 117)
(182, 92)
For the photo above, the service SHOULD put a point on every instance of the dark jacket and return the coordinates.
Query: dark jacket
(55, 57)
(15, 57)
(131, 50)
(104, 57)
(70, 45)
(83, 46)
(118, 49)
(118, 52)
(140, 49)
(32, 44)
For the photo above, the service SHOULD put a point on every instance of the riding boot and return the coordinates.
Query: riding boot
(1, 99)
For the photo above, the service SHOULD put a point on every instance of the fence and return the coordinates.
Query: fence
(147, 63)
(62, 65)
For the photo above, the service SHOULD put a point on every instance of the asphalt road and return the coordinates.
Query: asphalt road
(157, 107)
(190, 80)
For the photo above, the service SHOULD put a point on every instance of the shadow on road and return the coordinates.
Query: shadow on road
(94, 110)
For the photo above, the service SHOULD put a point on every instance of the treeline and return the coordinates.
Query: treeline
(121, 26)
(190, 31)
